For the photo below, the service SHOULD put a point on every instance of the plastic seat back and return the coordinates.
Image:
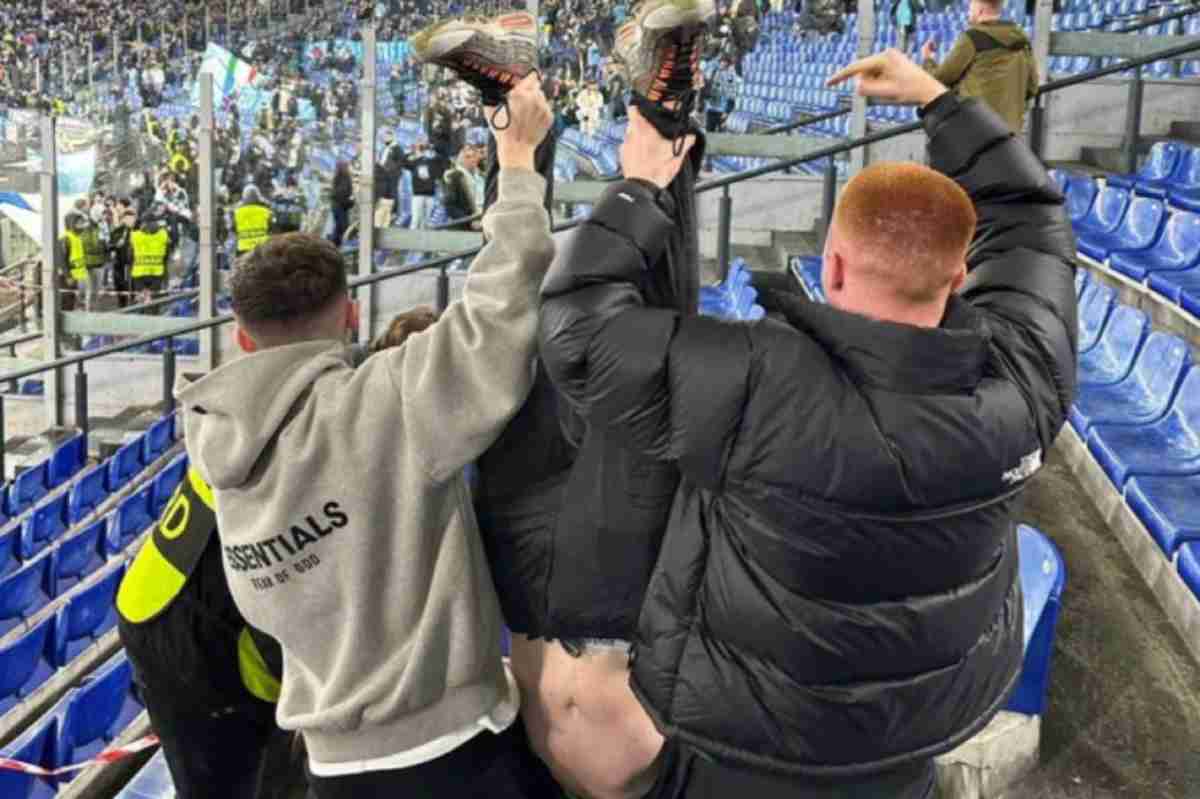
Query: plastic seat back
(1163, 159)
(23, 592)
(1119, 343)
(1187, 172)
(1081, 195)
(96, 712)
(88, 615)
(27, 488)
(35, 746)
(77, 556)
(165, 483)
(1143, 222)
(1160, 365)
(1094, 307)
(1043, 576)
(88, 493)
(125, 463)
(132, 516)
(47, 522)
(24, 665)
(67, 460)
(1108, 211)
(158, 438)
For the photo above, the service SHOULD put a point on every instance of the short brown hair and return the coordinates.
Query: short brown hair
(404, 325)
(913, 224)
(289, 277)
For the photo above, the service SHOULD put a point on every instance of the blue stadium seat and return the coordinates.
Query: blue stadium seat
(1177, 249)
(27, 488)
(1185, 191)
(1095, 304)
(165, 483)
(76, 556)
(35, 746)
(1081, 196)
(158, 438)
(10, 544)
(47, 522)
(1169, 446)
(89, 615)
(1106, 214)
(1156, 171)
(1145, 393)
(1043, 576)
(96, 713)
(1189, 567)
(807, 270)
(1139, 229)
(1169, 506)
(153, 781)
(125, 463)
(1112, 357)
(88, 493)
(67, 460)
(131, 517)
(23, 593)
(25, 664)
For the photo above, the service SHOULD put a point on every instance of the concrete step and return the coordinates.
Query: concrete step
(1108, 159)
(1187, 131)
(1078, 167)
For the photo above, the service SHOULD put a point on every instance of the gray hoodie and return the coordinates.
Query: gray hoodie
(346, 523)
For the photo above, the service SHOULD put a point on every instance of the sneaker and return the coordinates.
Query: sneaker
(659, 49)
(493, 54)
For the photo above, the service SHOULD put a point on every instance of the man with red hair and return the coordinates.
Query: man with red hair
(836, 598)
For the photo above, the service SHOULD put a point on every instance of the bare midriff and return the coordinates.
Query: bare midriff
(584, 721)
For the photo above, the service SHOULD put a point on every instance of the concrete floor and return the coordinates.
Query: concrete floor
(1124, 701)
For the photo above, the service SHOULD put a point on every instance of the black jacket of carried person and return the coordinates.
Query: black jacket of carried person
(837, 591)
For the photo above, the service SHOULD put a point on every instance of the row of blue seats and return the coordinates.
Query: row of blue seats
(52, 587)
(892, 113)
(35, 482)
(54, 515)
(78, 727)
(1138, 410)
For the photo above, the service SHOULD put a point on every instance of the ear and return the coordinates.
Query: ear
(959, 278)
(243, 339)
(353, 317)
(833, 268)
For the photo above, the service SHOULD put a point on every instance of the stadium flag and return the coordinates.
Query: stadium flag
(230, 73)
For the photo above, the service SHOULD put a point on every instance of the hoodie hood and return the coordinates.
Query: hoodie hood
(233, 414)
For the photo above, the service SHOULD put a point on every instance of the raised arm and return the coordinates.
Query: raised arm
(1021, 262)
(461, 380)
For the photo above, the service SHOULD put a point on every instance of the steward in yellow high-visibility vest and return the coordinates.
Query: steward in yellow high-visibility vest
(251, 220)
(150, 247)
(209, 681)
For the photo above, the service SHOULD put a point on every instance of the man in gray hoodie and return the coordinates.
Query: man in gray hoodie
(345, 520)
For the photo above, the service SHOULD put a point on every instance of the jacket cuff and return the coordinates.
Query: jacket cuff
(630, 209)
(960, 129)
(521, 185)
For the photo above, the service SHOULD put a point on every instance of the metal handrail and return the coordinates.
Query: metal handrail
(800, 123)
(708, 185)
(1150, 23)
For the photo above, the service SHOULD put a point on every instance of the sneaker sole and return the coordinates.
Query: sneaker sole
(679, 14)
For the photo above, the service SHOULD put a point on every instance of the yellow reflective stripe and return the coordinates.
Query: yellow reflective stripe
(149, 585)
(257, 678)
(202, 489)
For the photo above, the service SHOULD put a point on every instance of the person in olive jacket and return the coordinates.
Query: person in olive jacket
(836, 600)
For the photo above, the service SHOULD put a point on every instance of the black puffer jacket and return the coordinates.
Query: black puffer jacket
(837, 591)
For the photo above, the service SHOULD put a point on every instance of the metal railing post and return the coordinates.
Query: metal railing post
(828, 197)
(81, 399)
(1037, 126)
(168, 375)
(1133, 123)
(724, 231)
(443, 289)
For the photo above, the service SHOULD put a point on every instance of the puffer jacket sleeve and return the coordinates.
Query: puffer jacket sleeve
(1021, 262)
(670, 386)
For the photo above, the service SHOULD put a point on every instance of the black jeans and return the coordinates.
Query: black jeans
(486, 767)
(688, 774)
